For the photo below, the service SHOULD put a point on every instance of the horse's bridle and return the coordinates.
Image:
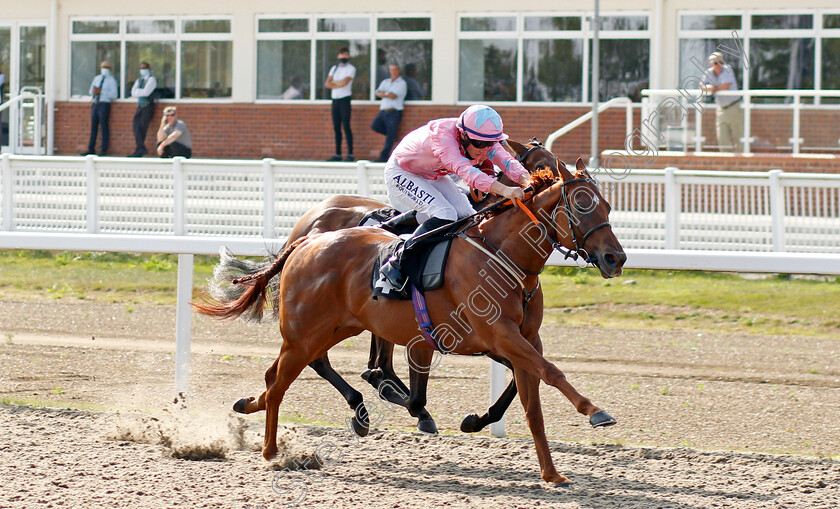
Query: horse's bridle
(579, 246)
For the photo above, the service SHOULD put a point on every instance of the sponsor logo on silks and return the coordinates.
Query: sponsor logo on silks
(412, 190)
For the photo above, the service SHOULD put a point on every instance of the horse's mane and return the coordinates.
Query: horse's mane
(540, 180)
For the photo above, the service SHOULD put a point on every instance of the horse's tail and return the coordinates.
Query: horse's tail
(239, 287)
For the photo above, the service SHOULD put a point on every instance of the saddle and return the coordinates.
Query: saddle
(423, 265)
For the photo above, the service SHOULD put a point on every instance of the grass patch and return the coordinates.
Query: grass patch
(98, 276)
(693, 300)
(42, 403)
(659, 299)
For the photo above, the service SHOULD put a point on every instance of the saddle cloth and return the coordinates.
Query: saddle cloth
(423, 265)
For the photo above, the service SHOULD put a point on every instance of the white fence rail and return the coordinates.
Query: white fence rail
(652, 209)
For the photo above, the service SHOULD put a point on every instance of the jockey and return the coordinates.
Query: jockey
(417, 173)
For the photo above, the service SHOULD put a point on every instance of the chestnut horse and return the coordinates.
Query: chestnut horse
(346, 211)
(325, 296)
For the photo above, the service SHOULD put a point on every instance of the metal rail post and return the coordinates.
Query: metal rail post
(8, 187)
(497, 386)
(268, 198)
(777, 210)
(183, 318)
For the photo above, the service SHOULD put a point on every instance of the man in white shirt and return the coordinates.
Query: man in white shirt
(143, 89)
(729, 124)
(339, 81)
(392, 92)
(103, 90)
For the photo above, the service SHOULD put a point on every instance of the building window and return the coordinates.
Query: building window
(624, 64)
(542, 58)
(190, 57)
(304, 49)
(779, 48)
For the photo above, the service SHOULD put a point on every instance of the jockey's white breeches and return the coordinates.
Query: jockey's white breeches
(439, 198)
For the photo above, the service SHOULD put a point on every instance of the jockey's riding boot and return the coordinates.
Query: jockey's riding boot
(392, 269)
(399, 219)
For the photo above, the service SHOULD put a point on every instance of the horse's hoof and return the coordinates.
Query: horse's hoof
(470, 424)
(601, 419)
(373, 376)
(269, 454)
(239, 406)
(427, 426)
(360, 429)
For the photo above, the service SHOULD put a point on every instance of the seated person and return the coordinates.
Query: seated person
(173, 136)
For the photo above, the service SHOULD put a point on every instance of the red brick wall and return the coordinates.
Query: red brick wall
(802, 163)
(304, 132)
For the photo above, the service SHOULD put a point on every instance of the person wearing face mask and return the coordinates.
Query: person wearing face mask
(417, 173)
(103, 90)
(339, 81)
(143, 90)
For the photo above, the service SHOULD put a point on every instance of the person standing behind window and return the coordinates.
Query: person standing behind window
(392, 92)
(729, 123)
(173, 136)
(103, 90)
(295, 90)
(339, 81)
(143, 89)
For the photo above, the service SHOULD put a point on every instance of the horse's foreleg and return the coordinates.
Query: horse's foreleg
(381, 369)
(419, 364)
(525, 356)
(529, 394)
(353, 397)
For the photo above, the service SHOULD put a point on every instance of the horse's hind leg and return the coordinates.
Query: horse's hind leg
(287, 367)
(353, 397)
(473, 423)
(251, 404)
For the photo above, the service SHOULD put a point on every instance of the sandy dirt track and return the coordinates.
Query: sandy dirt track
(705, 420)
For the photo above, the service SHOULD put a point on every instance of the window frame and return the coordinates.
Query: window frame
(748, 34)
(584, 34)
(123, 36)
(373, 35)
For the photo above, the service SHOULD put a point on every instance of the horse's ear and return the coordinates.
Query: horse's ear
(581, 170)
(517, 147)
(564, 172)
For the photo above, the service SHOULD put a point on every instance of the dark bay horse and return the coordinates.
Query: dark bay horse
(345, 211)
(325, 296)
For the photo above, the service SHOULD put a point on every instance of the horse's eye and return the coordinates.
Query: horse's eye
(585, 203)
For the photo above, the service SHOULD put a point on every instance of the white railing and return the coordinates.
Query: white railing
(692, 109)
(652, 209)
(26, 121)
(616, 101)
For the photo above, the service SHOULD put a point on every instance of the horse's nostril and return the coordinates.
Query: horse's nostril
(609, 260)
